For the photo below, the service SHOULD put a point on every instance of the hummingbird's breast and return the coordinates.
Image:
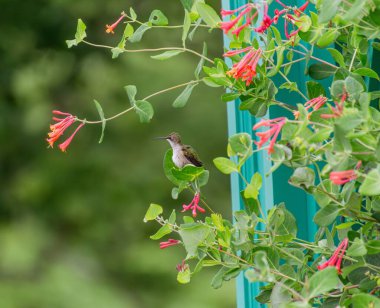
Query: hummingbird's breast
(179, 159)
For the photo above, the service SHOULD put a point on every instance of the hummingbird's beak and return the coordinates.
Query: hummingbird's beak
(160, 138)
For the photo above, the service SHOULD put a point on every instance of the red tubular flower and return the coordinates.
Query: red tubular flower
(275, 126)
(245, 11)
(314, 104)
(336, 258)
(182, 266)
(302, 8)
(343, 177)
(337, 110)
(169, 243)
(266, 21)
(194, 205)
(110, 28)
(245, 69)
(277, 14)
(63, 146)
(57, 129)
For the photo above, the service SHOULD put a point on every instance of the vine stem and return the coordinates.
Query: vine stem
(133, 107)
(287, 80)
(314, 58)
(164, 27)
(152, 49)
(171, 88)
(353, 59)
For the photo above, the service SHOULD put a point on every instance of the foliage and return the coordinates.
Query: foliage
(329, 140)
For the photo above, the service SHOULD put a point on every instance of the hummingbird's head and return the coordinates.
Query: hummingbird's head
(174, 138)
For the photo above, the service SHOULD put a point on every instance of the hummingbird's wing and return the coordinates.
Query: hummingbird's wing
(192, 156)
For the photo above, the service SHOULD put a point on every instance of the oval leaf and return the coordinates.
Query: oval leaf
(208, 14)
(182, 99)
(153, 212)
(225, 165)
(144, 110)
(101, 114)
(167, 54)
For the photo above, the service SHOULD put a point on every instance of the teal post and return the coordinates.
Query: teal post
(275, 187)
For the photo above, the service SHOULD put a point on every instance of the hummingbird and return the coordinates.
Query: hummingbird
(182, 154)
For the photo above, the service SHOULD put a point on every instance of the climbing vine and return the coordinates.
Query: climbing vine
(329, 137)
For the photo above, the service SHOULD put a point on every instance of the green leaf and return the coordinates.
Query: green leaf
(137, 36)
(201, 61)
(365, 71)
(132, 13)
(353, 86)
(144, 110)
(183, 277)
(228, 97)
(225, 165)
(208, 14)
(167, 54)
(314, 89)
(363, 300)
(193, 236)
(164, 230)
(182, 99)
(158, 18)
(79, 35)
(328, 9)
(338, 57)
(326, 215)
(186, 27)
(188, 173)
(357, 248)
(241, 143)
(187, 4)
(373, 247)
(131, 92)
(252, 189)
(303, 177)
(321, 282)
(327, 38)
(371, 184)
(320, 71)
(338, 88)
(101, 114)
(153, 212)
(128, 32)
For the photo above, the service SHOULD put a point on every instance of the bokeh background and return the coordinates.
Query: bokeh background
(71, 225)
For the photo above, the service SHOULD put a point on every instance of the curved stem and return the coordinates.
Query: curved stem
(171, 88)
(153, 49)
(133, 107)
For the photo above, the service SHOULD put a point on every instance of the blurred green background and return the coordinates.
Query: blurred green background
(71, 229)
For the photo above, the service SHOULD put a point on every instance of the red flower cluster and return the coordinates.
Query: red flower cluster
(182, 266)
(343, 177)
(289, 17)
(275, 126)
(266, 21)
(194, 206)
(245, 69)
(336, 258)
(170, 242)
(57, 129)
(245, 11)
(110, 28)
(314, 103)
(337, 110)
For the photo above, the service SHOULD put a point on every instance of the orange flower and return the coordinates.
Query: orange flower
(110, 28)
(58, 129)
